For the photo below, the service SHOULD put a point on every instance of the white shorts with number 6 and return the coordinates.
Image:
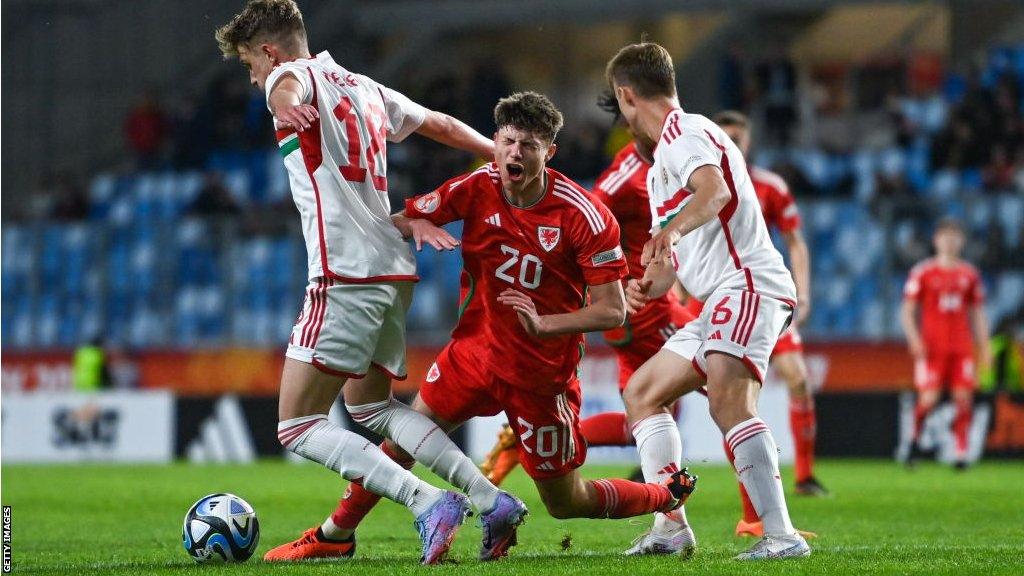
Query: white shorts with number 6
(739, 323)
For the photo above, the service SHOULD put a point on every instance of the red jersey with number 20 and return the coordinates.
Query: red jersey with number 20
(945, 295)
(550, 251)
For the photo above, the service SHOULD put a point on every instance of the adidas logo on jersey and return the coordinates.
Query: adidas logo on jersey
(546, 465)
(716, 336)
(494, 220)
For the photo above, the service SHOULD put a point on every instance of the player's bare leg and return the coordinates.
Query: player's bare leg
(732, 395)
(305, 399)
(926, 401)
(963, 402)
(791, 367)
(649, 397)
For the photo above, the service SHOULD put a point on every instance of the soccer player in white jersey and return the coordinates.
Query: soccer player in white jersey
(331, 127)
(708, 230)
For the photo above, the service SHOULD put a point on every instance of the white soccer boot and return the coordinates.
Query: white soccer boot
(666, 537)
(777, 547)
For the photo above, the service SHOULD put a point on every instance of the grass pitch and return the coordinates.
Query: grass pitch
(881, 519)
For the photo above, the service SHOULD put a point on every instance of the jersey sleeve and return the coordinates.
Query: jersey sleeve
(294, 70)
(598, 252)
(787, 215)
(912, 290)
(691, 151)
(448, 203)
(404, 116)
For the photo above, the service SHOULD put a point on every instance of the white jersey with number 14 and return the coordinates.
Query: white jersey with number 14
(337, 170)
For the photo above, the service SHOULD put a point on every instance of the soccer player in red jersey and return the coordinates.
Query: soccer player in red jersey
(622, 187)
(542, 265)
(950, 296)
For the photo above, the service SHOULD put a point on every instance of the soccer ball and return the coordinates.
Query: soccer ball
(220, 528)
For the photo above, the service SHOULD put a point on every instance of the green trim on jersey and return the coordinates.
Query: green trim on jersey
(289, 146)
(469, 295)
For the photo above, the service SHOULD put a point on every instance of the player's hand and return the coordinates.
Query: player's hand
(984, 359)
(660, 246)
(532, 322)
(300, 117)
(424, 231)
(636, 294)
(803, 311)
(916, 349)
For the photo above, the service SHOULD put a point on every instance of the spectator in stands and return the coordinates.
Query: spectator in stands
(214, 199)
(776, 87)
(146, 129)
(70, 202)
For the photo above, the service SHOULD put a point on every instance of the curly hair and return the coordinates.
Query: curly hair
(277, 21)
(529, 111)
(645, 67)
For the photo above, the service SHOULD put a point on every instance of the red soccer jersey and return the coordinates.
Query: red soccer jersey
(777, 203)
(945, 295)
(550, 251)
(623, 189)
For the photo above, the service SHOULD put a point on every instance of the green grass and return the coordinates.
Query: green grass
(881, 519)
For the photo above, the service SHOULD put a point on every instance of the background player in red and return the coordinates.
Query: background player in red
(622, 187)
(950, 296)
(535, 246)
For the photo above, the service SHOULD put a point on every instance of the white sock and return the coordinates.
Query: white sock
(661, 450)
(333, 532)
(429, 445)
(356, 459)
(757, 466)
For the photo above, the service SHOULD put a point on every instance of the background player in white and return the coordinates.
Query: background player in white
(710, 230)
(331, 126)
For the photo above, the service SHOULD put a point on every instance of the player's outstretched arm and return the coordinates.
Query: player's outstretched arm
(979, 324)
(606, 310)
(710, 195)
(908, 318)
(423, 232)
(449, 131)
(800, 260)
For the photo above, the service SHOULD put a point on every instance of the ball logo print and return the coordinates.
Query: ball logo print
(428, 203)
(220, 528)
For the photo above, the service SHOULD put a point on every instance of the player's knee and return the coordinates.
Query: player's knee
(373, 416)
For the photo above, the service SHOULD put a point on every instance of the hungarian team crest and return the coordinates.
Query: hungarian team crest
(549, 237)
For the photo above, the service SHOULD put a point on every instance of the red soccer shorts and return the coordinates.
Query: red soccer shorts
(953, 370)
(789, 341)
(551, 444)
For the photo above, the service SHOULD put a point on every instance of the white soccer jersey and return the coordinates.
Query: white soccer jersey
(733, 251)
(337, 171)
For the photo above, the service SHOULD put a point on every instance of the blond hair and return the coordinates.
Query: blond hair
(272, 21)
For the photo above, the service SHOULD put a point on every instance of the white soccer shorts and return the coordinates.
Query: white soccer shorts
(739, 323)
(346, 328)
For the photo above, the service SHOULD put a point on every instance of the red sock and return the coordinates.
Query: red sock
(749, 514)
(803, 423)
(607, 429)
(617, 498)
(962, 426)
(358, 501)
(920, 414)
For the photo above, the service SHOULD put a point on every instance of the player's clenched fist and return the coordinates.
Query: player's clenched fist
(300, 117)
(532, 322)
(637, 294)
(660, 246)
